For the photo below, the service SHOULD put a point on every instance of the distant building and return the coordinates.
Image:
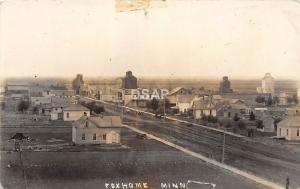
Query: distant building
(267, 84)
(176, 93)
(16, 87)
(225, 86)
(74, 112)
(129, 81)
(97, 130)
(58, 104)
(184, 103)
(236, 107)
(268, 123)
(282, 99)
(260, 112)
(203, 106)
(289, 128)
(79, 86)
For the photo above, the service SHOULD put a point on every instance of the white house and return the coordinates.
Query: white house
(289, 128)
(184, 103)
(97, 130)
(75, 111)
(282, 97)
(177, 93)
(203, 107)
(58, 104)
(236, 107)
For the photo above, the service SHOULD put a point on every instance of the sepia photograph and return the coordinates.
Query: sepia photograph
(149, 94)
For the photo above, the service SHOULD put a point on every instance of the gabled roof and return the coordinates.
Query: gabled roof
(235, 101)
(290, 121)
(238, 106)
(175, 90)
(99, 122)
(201, 104)
(217, 97)
(185, 98)
(76, 107)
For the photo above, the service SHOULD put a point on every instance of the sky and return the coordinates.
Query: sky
(183, 38)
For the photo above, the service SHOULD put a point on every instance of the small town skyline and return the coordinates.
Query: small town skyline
(140, 77)
(239, 39)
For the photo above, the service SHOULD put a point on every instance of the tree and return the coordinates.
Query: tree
(93, 106)
(236, 117)
(252, 116)
(35, 110)
(295, 99)
(260, 99)
(2, 105)
(241, 125)
(212, 119)
(276, 99)
(276, 121)
(270, 101)
(23, 106)
(99, 109)
(289, 100)
(259, 124)
(153, 104)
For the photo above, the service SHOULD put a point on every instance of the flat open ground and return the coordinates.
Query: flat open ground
(137, 160)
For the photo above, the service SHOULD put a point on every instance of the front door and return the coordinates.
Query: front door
(112, 137)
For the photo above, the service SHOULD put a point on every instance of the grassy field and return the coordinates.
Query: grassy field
(77, 167)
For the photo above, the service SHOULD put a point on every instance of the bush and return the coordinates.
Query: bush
(236, 117)
(252, 116)
(3, 105)
(23, 106)
(35, 110)
(212, 119)
(260, 99)
(259, 124)
(241, 124)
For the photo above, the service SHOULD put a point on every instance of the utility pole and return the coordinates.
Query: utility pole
(22, 166)
(287, 186)
(223, 147)
(164, 109)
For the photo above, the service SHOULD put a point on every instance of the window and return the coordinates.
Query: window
(279, 131)
(84, 113)
(210, 112)
(287, 132)
(104, 137)
(68, 115)
(297, 112)
(86, 124)
(297, 132)
(94, 136)
(83, 136)
(229, 114)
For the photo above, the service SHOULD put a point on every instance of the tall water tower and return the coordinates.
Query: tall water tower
(267, 84)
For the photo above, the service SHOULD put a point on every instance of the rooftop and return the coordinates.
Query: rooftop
(290, 121)
(99, 121)
(76, 107)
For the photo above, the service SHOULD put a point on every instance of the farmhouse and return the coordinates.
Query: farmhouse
(203, 107)
(289, 128)
(97, 130)
(184, 103)
(236, 107)
(74, 112)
